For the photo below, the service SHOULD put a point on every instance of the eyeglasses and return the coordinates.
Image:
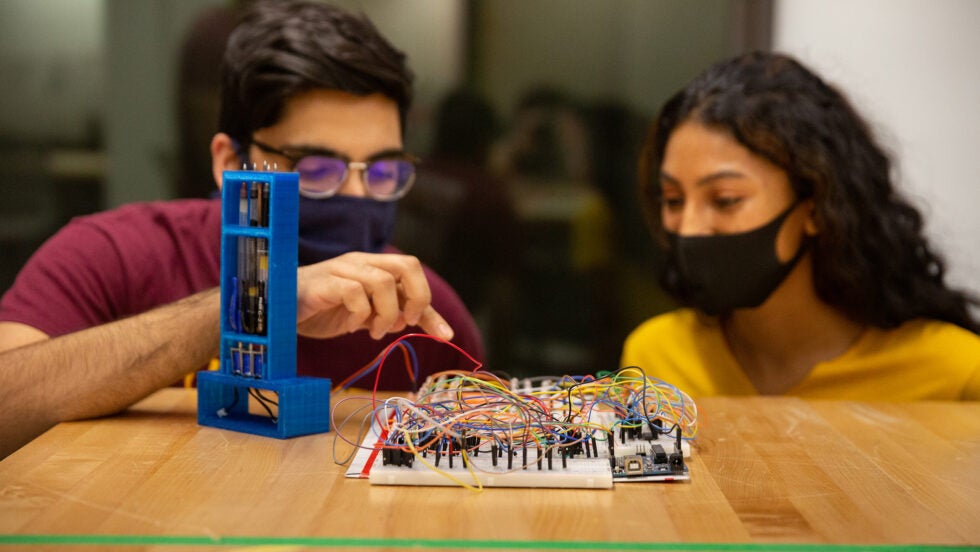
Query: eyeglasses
(387, 176)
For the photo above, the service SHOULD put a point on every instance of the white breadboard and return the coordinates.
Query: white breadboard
(586, 472)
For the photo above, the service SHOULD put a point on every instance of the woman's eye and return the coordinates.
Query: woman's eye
(672, 203)
(726, 202)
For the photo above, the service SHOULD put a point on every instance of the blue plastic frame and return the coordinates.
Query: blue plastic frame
(223, 396)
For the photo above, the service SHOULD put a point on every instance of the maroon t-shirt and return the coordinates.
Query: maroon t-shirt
(103, 267)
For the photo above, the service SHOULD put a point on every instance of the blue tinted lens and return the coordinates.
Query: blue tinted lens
(389, 177)
(321, 174)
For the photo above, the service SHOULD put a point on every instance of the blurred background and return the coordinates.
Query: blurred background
(529, 115)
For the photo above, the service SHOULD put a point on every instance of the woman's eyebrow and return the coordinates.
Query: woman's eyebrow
(665, 176)
(707, 179)
(720, 175)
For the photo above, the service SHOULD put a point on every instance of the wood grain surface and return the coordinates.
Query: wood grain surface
(769, 471)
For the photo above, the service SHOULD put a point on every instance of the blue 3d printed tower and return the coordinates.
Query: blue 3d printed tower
(258, 316)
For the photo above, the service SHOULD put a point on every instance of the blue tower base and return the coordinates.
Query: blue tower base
(304, 405)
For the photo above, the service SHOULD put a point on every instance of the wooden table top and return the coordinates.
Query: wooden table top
(767, 473)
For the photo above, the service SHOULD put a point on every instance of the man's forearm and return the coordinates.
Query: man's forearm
(104, 369)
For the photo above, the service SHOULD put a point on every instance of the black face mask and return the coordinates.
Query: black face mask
(724, 272)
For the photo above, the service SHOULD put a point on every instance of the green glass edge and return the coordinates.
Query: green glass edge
(186, 540)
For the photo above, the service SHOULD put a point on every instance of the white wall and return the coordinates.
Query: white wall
(911, 67)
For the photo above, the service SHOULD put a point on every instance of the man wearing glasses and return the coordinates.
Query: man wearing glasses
(125, 302)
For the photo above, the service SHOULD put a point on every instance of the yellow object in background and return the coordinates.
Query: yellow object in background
(190, 380)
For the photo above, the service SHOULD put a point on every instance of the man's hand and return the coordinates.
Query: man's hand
(382, 293)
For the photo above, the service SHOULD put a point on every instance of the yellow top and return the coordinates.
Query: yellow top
(920, 360)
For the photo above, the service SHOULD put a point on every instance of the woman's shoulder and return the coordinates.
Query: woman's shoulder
(673, 323)
(920, 359)
(679, 333)
(929, 336)
(688, 350)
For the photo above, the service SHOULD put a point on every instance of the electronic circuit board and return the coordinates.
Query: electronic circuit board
(644, 454)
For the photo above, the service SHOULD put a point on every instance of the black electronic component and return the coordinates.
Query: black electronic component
(575, 438)
(264, 220)
(631, 432)
(656, 426)
(461, 445)
(658, 453)
(426, 441)
(465, 442)
(677, 457)
(397, 457)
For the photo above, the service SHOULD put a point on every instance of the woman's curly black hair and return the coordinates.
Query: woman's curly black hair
(282, 48)
(870, 258)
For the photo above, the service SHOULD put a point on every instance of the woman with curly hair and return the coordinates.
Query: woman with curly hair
(801, 269)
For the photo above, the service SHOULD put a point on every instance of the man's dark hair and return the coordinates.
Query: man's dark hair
(283, 48)
(870, 258)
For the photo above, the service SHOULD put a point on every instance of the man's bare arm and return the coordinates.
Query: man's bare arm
(103, 370)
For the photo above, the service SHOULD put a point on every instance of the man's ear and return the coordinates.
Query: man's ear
(224, 156)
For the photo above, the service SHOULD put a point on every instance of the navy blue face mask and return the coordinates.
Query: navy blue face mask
(723, 272)
(340, 224)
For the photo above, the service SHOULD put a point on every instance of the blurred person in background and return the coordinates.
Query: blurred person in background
(199, 95)
(460, 217)
(568, 229)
